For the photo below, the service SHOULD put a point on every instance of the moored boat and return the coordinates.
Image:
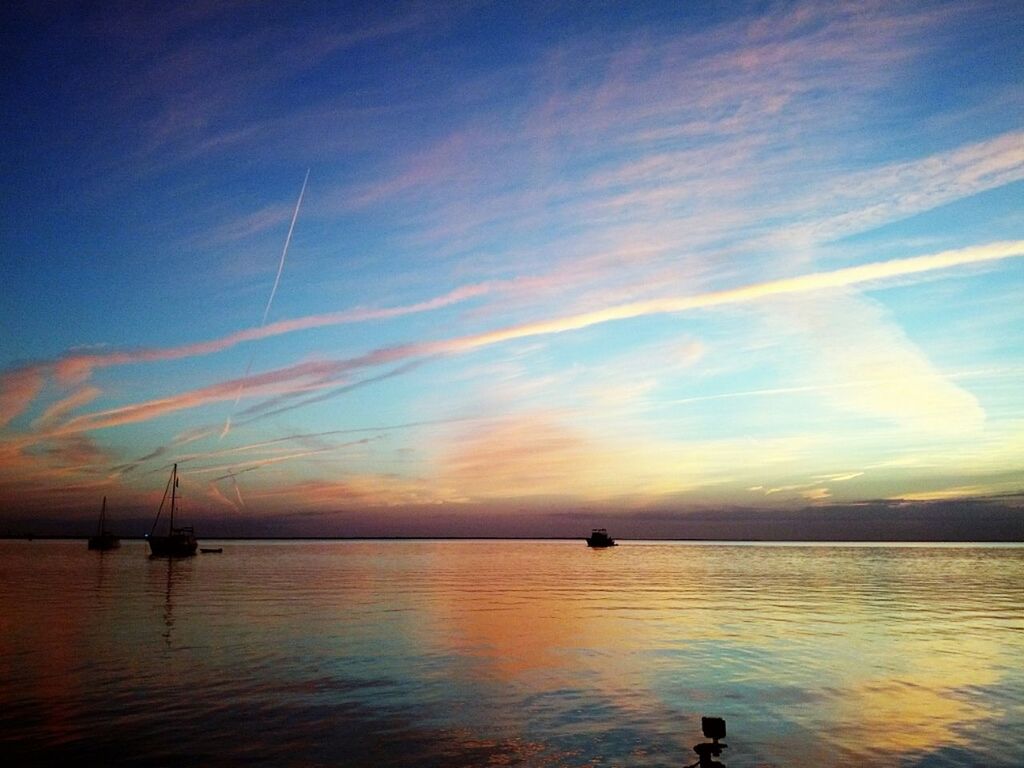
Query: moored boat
(599, 538)
(179, 542)
(104, 539)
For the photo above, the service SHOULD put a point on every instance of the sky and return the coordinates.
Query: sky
(473, 268)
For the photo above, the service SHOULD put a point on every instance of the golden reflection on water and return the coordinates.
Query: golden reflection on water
(892, 687)
(528, 653)
(918, 705)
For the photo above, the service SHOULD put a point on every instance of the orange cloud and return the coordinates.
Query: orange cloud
(18, 389)
(301, 377)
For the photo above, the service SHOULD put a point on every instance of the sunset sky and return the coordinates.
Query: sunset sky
(554, 264)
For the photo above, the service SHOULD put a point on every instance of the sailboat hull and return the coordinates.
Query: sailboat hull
(175, 545)
(104, 541)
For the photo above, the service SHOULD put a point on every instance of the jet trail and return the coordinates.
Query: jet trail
(284, 252)
(266, 310)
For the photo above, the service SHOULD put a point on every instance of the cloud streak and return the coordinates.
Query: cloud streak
(18, 389)
(818, 281)
(78, 366)
(308, 377)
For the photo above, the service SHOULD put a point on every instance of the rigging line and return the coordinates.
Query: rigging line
(161, 507)
(270, 301)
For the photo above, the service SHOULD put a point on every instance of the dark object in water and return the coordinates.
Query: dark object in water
(714, 729)
(179, 542)
(599, 538)
(211, 550)
(103, 539)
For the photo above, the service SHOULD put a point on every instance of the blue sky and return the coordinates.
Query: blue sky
(603, 257)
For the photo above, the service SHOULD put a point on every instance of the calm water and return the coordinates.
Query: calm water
(512, 653)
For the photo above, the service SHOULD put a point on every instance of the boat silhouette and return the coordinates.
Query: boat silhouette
(599, 538)
(179, 542)
(104, 539)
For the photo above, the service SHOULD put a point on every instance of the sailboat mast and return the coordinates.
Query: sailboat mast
(174, 489)
(103, 517)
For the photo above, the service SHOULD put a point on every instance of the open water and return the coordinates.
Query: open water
(473, 653)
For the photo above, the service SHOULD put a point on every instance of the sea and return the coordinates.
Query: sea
(512, 653)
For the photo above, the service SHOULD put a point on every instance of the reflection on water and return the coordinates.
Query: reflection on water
(512, 653)
(171, 570)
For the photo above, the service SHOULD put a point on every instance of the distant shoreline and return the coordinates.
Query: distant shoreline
(56, 537)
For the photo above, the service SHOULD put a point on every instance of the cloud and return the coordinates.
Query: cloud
(75, 367)
(251, 464)
(252, 223)
(716, 116)
(529, 455)
(546, 455)
(945, 494)
(309, 377)
(214, 493)
(18, 388)
(819, 281)
(75, 400)
(870, 367)
(208, 80)
(839, 478)
(880, 195)
(300, 377)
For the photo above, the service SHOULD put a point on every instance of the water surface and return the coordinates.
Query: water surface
(467, 653)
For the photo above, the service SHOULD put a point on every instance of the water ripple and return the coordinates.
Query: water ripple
(512, 653)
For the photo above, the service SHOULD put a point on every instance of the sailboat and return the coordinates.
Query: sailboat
(104, 539)
(179, 542)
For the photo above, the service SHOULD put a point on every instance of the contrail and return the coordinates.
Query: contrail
(238, 493)
(266, 310)
(287, 242)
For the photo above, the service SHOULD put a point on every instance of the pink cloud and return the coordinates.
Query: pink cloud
(301, 377)
(18, 389)
(75, 400)
(319, 376)
(77, 367)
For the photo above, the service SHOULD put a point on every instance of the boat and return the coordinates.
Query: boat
(599, 538)
(211, 550)
(179, 542)
(103, 539)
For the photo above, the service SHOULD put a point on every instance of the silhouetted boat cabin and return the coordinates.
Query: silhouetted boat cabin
(104, 539)
(599, 538)
(211, 550)
(179, 542)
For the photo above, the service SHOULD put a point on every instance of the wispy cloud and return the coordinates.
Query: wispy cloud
(307, 377)
(880, 195)
(671, 121)
(544, 454)
(956, 492)
(870, 367)
(75, 367)
(75, 400)
(850, 276)
(18, 388)
(301, 377)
